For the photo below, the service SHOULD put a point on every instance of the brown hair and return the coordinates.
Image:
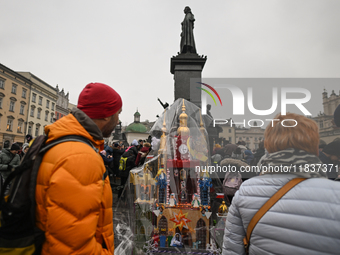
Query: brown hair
(147, 145)
(304, 136)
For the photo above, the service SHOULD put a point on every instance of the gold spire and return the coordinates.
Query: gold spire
(183, 129)
(162, 146)
(202, 128)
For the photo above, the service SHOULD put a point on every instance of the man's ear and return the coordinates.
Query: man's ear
(106, 119)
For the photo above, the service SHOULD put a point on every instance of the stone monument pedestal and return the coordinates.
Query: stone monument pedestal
(184, 67)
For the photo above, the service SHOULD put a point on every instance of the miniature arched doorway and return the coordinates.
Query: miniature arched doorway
(163, 225)
(187, 240)
(201, 233)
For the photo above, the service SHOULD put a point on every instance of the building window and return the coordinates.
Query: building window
(229, 130)
(52, 106)
(20, 124)
(46, 116)
(11, 106)
(47, 103)
(321, 124)
(2, 84)
(39, 113)
(9, 125)
(1, 102)
(34, 97)
(40, 100)
(37, 130)
(14, 88)
(30, 130)
(32, 111)
(51, 118)
(24, 92)
(22, 109)
(230, 139)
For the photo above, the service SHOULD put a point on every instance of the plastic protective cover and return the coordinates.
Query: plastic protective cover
(171, 203)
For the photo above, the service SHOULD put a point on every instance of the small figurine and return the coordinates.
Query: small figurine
(195, 201)
(195, 244)
(172, 200)
(156, 237)
(203, 211)
(222, 210)
(176, 241)
(162, 240)
(161, 209)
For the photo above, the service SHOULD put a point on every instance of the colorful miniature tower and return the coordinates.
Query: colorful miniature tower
(177, 170)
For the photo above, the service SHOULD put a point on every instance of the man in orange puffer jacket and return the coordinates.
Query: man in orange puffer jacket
(74, 202)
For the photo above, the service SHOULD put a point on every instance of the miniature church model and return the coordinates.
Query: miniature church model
(182, 192)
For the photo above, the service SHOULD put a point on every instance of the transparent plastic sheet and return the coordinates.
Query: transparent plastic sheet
(171, 204)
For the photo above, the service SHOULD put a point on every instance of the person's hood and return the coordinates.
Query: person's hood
(75, 123)
(7, 151)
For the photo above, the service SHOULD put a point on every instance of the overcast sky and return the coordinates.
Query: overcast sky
(128, 44)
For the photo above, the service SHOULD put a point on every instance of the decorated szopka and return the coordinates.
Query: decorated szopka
(181, 201)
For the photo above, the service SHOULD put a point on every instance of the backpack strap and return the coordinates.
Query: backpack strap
(68, 138)
(265, 208)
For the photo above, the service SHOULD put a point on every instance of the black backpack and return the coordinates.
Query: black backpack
(127, 161)
(18, 232)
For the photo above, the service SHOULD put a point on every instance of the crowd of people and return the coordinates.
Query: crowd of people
(135, 155)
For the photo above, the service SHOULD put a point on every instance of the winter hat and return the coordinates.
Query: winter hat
(337, 116)
(24, 146)
(333, 148)
(134, 142)
(6, 144)
(15, 147)
(116, 145)
(99, 101)
(29, 138)
(103, 152)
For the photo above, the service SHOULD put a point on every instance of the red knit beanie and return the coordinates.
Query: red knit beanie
(99, 101)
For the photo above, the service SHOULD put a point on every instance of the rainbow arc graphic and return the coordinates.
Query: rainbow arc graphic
(209, 93)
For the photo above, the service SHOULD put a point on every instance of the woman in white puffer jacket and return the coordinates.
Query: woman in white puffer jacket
(306, 220)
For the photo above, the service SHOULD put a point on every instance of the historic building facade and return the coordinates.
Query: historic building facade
(14, 103)
(327, 129)
(42, 105)
(62, 104)
(252, 136)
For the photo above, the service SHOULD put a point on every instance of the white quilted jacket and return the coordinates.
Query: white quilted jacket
(304, 221)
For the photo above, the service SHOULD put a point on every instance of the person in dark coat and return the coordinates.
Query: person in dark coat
(9, 158)
(117, 152)
(248, 156)
(107, 162)
(141, 156)
(131, 153)
(330, 156)
(259, 153)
